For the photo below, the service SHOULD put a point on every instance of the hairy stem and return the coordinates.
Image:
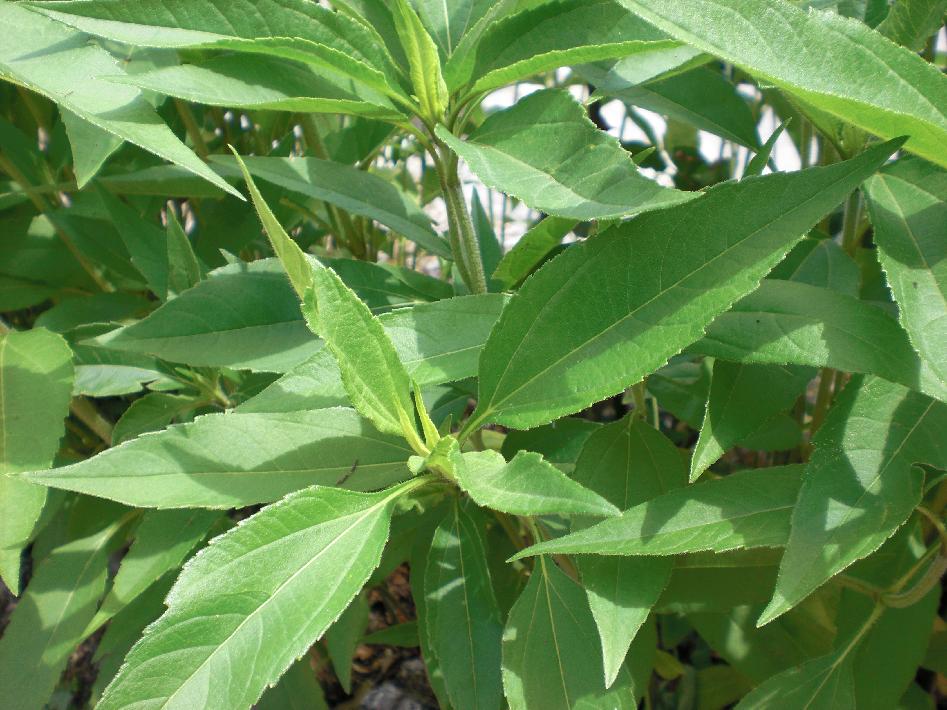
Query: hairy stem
(463, 238)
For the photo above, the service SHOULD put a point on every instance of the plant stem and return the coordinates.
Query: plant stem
(192, 128)
(86, 413)
(463, 238)
(850, 220)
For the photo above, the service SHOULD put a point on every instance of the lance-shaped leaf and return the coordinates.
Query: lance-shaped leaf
(354, 190)
(50, 620)
(824, 682)
(232, 460)
(551, 656)
(908, 206)
(744, 509)
(531, 249)
(264, 83)
(255, 599)
(162, 541)
(91, 146)
(330, 39)
(59, 63)
(545, 151)
(423, 61)
(448, 23)
(787, 322)
(343, 637)
(298, 688)
(912, 22)
(373, 376)
(628, 462)
(548, 356)
(527, 485)
(836, 64)
(744, 400)
(462, 615)
(861, 484)
(437, 343)
(549, 36)
(36, 375)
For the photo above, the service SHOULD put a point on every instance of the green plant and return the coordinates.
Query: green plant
(691, 458)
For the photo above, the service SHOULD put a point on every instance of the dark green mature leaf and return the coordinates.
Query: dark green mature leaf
(527, 485)
(227, 460)
(354, 190)
(298, 689)
(162, 541)
(36, 377)
(700, 97)
(738, 408)
(745, 509)
(374, 378)
(821, 684)
(554, 351)
(50, 620)
(152, 412)
(786, 322)
(837, 65)
(437, 343)
(531, 249)
(91, 146)
(861, 484)
(912, 22)
(462, 615)
(59, 63)
(551, 657)
(718, 582)
(449, 22)
(549, 36)
(343, 637)
(627, 463)
(546, 152)
(821, 263)
(908, 206)
(255, 600)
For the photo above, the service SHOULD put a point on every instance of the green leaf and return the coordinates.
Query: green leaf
(152, 412)
(531, 249)
(462, 616)
(820, 262)
(255, 82)
(50, 619)
(437, 343)
(356, 191)
(908, 206)
(449, 22)
(555, 351)
(627, 463)
(786, 322)
(255, 599)
(545, 151)
(745, 509)
(551, 656)
(36, 376)
(404, 635)
(162, 541)
(527, 485)
(860, 485)
(298, 689)
(702, 98)
(59, 63)
(374, 378)
(184, 270)
(343, 637)
(912, 22)
(91, 146)
(836, 64)
(737, 407)
(71, 313)
(423, 61)
(546, 37)
(759, 161)
(821, 683)
(232, 460)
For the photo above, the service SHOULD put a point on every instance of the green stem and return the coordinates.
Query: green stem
(86, 413)
(192, 128)
(850, 220)
(463, 238)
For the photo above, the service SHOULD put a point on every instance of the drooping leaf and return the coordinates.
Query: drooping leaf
(57, 62)
(184, 269)
(549, 356)
(298, 689)
(745, 509)
(356, 191)
(91, 146)
(821, 683)
(861, 484)
(343, 637)
(548, 36)
(787, 322)
(49, 621)
(462, 617)
(531, 249)
(255, 599)
(627, 463)
(837, 65)
(546, 152)
(227, 460)
(374, 378)
(162, 541)
(908, 206)
(527, 485)
(738, 408)
(36, 377)
(551, 656)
